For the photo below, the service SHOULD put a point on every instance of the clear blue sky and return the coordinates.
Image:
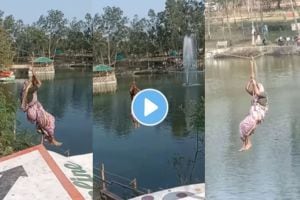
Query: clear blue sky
(130, 7)
(30, 10)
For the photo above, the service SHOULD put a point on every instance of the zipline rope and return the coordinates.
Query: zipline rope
(252, 62)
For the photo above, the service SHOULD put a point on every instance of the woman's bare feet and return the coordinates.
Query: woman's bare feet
(249, 145)
(242, 149)
(55, 142)
(136, 124)
(244, 145)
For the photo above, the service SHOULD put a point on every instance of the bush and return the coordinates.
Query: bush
(7, 123)
(9, 140)
(198, 116)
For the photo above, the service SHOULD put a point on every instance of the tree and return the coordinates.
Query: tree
(32, 40)
(8, 24)
(99, 44)
(75, 40)
(112, 25)
(183, 17)
(278, 3)
(138, 37)
(176, 23)
(106, 34)
(195, 18)
(78, 35)
(6, 49)
(1, 15)
(54, 25)
(152, 31)
(88, 28)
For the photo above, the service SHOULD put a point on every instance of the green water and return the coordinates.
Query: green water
(158, 157)
(270, 170)
(68, 97)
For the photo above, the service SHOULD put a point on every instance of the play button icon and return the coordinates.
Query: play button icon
(149, 107)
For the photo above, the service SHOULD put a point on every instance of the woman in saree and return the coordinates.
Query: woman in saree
(133, 91)
(36, 114)
(257, 112)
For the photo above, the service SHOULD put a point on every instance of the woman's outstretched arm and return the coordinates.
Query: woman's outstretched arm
(35, 80)
(247, 87)
(255, 88)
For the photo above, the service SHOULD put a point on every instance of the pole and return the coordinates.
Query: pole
(103, 177)
(248, 8)
(295, 19)
(252, 68)
(208, 23)
(228, 22)
(108, 50)
(133, 184)
(49, 47)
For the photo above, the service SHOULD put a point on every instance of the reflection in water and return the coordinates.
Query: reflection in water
(270, 170)
(69, 98)
(159, 157)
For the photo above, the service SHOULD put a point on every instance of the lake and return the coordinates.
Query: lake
(159, 157)
(69, 98)
(271, 169)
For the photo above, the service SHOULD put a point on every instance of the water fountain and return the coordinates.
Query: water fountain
(190, 61)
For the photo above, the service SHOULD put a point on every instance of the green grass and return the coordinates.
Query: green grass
(12, 140)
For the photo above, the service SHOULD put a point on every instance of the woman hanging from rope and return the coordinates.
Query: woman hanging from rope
(44, 121)
(258, 109)
(133, 91)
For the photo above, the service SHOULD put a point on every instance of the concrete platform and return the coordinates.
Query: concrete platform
(187, 192)
(35, 174)
(79, 170)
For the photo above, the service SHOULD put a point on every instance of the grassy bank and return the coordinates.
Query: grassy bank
(11, 139)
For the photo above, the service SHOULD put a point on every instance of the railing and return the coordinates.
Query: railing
(103, 79)
(124, 183)
(44, 69)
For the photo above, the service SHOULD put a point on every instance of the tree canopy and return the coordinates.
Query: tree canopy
(6, 49)
(50, 32)
(159, 33)
(106, 34)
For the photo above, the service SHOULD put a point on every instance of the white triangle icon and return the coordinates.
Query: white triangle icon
(149, 107)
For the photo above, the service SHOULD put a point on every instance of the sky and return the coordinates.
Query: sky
(29, 11)
(130, 7)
